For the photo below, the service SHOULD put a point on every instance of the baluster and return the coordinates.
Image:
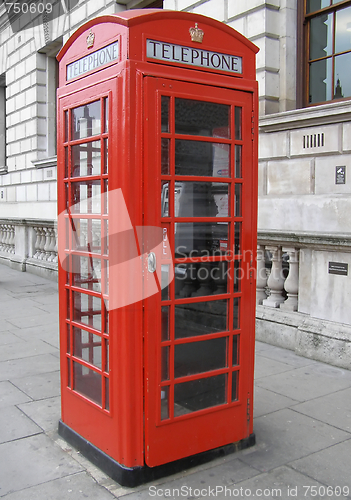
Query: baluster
(204, 279)
(276, 279)
(7, 237)
(2, 236)
(261, 279)
(12, 239)
(55, 259)
(42, 243)
(37, 243)
(189, 281)
(47, 232)
(291, 284)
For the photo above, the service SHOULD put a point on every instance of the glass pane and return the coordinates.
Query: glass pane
(106, 271)
(236, 313)
(201, 199)
(165, 156)
(200, 279)
(238, 275)
(106, 368)
(235, 385)
(106, 114)
(238, 125)
(342, 76)
(200, 318)
(68, 372)
(164, 403)
(314, 5)
(200, 357)
(66, 163)
(201, 118)
(86, 197)
(237, 238)
(106, 237)
(86, 273)
(235, 350)
(164, 199)
(68, 339)
(105, 197)
(86, 159)
(237, 201)
(87, 310)
(238, 168)
(202, 158)
(86, 235)
(86, 120)
(165, 113)
(164, 323)
(107, 393)
(199, 394)
(164, 363)
(87, 346)
(65, 139)
(106, 156)
(87, 382)
(321, 36)
(320, 88)
(199, 239)
(343, 30)
(164, 282)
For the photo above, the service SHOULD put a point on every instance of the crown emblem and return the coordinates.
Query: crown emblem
(90, 39)
(196, 34)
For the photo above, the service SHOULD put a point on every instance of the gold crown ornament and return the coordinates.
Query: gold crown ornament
(196, 34)
(90, 39)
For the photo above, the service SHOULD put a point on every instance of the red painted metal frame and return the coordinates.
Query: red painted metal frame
(122, 432)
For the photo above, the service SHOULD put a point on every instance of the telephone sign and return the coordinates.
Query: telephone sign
(157, 190)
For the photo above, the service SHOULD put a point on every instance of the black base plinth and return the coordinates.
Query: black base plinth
(135, 476)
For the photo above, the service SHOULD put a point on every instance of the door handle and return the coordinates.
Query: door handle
(151, 262)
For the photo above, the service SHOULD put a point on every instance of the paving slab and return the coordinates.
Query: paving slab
(285, 435)
(38, 319)
(11, 395)
(45, 413)
(25, 349)
(309, 382)
(45, 385)
(266, 401)
(14, 424)
(330, 466)
(27, 367)
(32, 461)
(78, 486)
(7, 337)
(265, 367)
(286, 356)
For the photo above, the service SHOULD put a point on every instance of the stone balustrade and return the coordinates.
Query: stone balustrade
(29, 245)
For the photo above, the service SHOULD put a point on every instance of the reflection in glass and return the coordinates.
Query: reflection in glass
(86, 159)
(106, 156)
(107, 344)
(201, 199)
(235, 386)
(235, 350)
(65, 139)
(342, 76)
(320, 86)
(106, 114)
(66, 163)
(343, 30)
(200, 279)
(200, 357)
(86, 120)
(87, 346)
(86, 272)
(202, 158)
(237, 238)
(201, 118)
(238, 169)
(86, 235)
(105, 197)
(164, 199)
(87, 309)
(165, 113)
(107, 393)
(321, 36)
(236, 313)
(164, 363)
(238, 125)
(314, 5)
(199, 394)
(200, 318)
(200, 239)
(238, 274)
(164, 403)
(86, 197)
(164, 323)
(87, 382)
(165, 156)
(237, 201)
(165, 282)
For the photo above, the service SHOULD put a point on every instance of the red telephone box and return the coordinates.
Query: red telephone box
(157, 180)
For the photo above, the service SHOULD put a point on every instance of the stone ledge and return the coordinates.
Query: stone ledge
(312, 338)
(314, 240)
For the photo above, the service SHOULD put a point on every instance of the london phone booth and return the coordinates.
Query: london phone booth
(157, 180)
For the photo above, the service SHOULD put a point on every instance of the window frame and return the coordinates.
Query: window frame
(303, 53)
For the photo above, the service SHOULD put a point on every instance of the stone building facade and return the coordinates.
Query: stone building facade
(304, 229)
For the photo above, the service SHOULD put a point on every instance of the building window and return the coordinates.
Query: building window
(328, 37)
(3, 167)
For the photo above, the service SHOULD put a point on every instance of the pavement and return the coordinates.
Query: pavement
(302, 421)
